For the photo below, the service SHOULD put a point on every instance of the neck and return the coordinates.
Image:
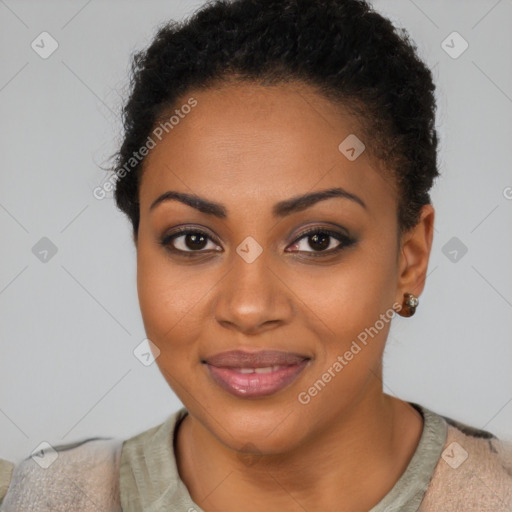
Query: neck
(349, 465)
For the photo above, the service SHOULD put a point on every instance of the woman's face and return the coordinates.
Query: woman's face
(246, 277)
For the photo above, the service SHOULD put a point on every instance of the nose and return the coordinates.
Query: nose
(251, 298)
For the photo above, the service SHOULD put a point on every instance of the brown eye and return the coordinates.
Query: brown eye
(188, 240)
(321, 241)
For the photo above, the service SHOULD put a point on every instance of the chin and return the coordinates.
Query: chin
(264, 426)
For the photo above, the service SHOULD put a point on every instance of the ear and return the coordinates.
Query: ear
(414, 254)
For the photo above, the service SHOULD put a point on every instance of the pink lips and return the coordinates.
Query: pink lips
(252, 375)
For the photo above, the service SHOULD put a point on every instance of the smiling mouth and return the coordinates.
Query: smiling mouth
(266, 369)
(255, 375)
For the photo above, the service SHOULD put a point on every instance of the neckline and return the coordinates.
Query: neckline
(150, 481)
(408, 492)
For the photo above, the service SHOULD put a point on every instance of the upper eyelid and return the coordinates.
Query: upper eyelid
(324, 229)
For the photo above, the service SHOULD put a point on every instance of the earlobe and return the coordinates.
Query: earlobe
(409, 305)
(414, 258)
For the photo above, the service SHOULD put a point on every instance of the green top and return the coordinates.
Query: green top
(150, 479)
(148, 476)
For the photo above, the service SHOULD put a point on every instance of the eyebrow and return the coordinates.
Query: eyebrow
(281, 209)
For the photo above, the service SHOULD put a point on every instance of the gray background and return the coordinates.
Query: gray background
(69, 325)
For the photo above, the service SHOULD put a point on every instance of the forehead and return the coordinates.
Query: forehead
(250, 142)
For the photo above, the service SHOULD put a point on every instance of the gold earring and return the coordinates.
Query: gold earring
(409, 305)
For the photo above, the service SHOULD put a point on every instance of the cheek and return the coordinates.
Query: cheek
(166, 305)
(166, 297)
(357, 290)
(173, 301)
(352, 334)
(350, 299)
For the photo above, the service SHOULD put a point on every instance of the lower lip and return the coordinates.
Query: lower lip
(254, 385)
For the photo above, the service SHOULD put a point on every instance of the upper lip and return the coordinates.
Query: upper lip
(262, 359)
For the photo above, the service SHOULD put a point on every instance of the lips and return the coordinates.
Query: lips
(262, 359)
(254, 375)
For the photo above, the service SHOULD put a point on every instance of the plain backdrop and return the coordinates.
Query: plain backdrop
(69, 317)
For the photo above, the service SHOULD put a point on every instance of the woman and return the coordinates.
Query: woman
(276, 168)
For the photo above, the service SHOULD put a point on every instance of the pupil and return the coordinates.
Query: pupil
(197, 241)
(322, 241)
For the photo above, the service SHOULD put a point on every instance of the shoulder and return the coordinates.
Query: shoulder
(474, 472)
(81, 476)
(6, 468)
(148, 467)
(154, 435)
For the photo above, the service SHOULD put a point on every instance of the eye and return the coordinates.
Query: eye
(187, 240)
(321, 241)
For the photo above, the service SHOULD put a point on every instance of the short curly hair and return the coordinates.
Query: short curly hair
(342, 48)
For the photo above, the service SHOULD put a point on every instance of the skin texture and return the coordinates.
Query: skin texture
(249, 147)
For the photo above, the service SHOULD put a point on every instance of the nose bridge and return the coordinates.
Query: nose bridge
(251, 296)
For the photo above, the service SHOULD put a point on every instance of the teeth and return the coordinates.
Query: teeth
(267, 369)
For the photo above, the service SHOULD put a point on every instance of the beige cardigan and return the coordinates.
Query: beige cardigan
(454, 468)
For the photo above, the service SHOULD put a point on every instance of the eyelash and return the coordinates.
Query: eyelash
(345, 241)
